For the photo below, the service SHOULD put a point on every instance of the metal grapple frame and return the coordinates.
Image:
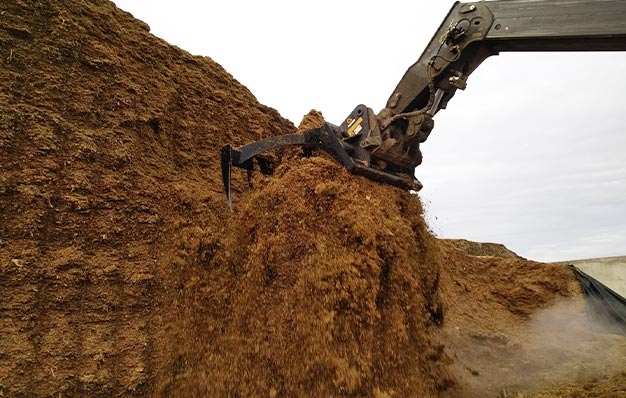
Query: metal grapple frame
(346, 149)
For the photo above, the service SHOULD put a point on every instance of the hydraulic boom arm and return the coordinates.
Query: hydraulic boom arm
(386, 146)
(474, 31)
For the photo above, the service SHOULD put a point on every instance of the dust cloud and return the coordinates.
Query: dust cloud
(569, 346)
(557, 347)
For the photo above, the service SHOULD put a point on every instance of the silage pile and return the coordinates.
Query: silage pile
(123, 272)
(335, 289)
(109, 142)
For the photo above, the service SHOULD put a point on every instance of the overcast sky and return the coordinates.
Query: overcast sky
(531, 154)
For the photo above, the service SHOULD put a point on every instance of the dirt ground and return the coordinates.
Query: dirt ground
(124, 273)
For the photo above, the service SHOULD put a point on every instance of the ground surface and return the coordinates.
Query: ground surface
(124, 273)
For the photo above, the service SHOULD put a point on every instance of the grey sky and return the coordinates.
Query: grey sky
(530, 155)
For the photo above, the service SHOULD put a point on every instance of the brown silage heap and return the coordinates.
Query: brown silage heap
(334, 289)
(123, 272)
